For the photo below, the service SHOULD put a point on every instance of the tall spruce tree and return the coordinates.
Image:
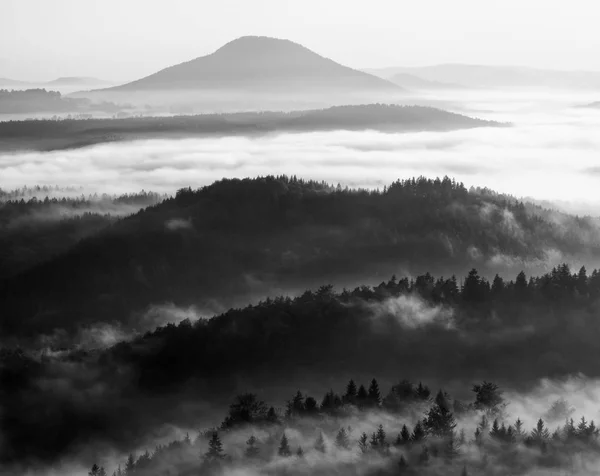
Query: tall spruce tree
(284, 447)
(215, 449)
(363, 443)
(341, 439)
(374, 395)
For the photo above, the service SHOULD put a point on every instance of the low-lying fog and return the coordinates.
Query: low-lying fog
(550, 153)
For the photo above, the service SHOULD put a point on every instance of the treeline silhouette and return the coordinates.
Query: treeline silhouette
(513, 331)
(243, 237)
(46, 135)
(450, 437)
(34, 230)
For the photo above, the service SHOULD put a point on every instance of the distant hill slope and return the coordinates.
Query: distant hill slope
(13, 83)
(481, 76)
(238, 239)
(256, 62)
(48, 135)
(410, 81)
(78, 81)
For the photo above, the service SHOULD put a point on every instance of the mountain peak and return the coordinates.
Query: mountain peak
(262, 62)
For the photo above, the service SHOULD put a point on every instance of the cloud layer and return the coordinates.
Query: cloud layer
(550, 153)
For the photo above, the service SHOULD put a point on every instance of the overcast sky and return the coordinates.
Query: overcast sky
(128, 39)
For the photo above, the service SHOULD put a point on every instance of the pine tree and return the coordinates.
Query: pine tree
(540, 434)
(95, 471)
(404, 436)
(464, 471)
(440, 420)
(130, 465)
(102, 471)
(284, 447)
(374, 394)
(519, 433)
(362, 396)
(341, 440)
(381, 436)
(320, 443)
(362, 443)
(374, 442)
(351, 392)
(215, 449)
(495, 431)
(300, 452)
(418, 433)
(252, 450)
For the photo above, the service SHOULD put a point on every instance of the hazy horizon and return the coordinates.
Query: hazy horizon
(383, 34)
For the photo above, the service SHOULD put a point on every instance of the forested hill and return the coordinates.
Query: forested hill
(514, 331)
(63, 134)
(245, 238)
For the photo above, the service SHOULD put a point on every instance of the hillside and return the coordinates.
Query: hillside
(406, 329)
(65, 134)
(256, 62)
(236, 240)
(481, 76)
(412, 82)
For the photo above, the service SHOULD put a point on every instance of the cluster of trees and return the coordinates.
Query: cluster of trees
(256, 233)
(434, 442)
(41, 100)
(37, 100)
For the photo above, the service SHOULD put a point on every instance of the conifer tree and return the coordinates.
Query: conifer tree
(95, 471)
(300, 452)
(351, 392)
(215, 449)
(102, 471)
(130, 465)
(252, 450)
(381, 436)
(418, 433)
(362, 396)
(374, 394)
(404, 436)
(363, 443)
(320, 443)
(341, 440)
(284, 447)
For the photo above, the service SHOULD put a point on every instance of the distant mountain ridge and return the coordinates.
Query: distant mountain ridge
(258, 62)
(483, 76)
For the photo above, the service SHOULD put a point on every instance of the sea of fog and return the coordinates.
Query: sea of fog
(550, 153)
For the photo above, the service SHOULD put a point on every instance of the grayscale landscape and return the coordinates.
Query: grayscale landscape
(299, 238)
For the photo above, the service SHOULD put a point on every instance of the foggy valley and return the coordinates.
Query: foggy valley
(299, 238)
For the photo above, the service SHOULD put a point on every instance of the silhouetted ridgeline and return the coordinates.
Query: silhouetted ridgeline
(243, 237)
(431, 329)
(49, 134)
